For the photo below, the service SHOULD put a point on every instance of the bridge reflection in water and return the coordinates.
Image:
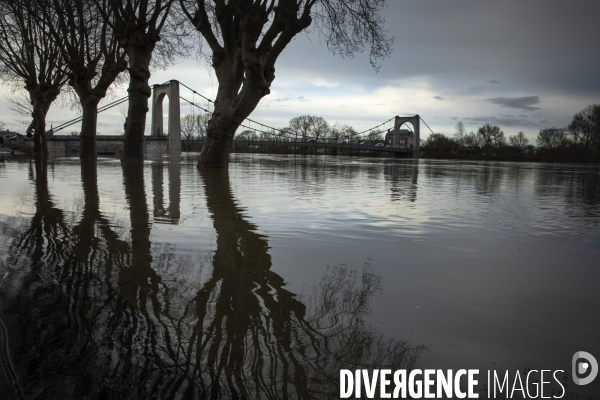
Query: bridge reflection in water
(96, 312)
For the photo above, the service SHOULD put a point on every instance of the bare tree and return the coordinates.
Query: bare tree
(491, 136)
(28, 57)
(551, 138)
(246, 38)
(519, 141)
(460, 133)
(202, 124)
(470, 140)
(375, 135)
(149, 32)
(247, 134)
(301, 126)
(194, 126)
(319, 128)
(336, 133)
(585, 127)
(188, 127)
(21, 107)
(91, 54)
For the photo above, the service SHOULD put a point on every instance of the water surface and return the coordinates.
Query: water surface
(156, 280)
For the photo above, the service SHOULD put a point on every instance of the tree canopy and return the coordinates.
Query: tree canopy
(245, 39)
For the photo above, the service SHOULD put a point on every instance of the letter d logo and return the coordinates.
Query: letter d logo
(581, 368)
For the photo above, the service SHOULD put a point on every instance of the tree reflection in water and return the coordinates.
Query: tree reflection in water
(94, 318)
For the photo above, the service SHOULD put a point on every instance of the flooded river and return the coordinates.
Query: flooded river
(158, 280)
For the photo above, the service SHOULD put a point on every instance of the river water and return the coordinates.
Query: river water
(158, 280)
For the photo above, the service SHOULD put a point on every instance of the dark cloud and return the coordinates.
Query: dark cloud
(522, 103)
(501, 121)
(453, 118)
(438, 97)
(511, 40)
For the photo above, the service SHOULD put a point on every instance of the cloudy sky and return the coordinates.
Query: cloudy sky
(522, 65)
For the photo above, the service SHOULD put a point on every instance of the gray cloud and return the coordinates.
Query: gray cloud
(501, 121)
(522, 103)
(495, 82)
(438, 97)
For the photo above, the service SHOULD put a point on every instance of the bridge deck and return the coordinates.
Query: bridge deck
(302, 144)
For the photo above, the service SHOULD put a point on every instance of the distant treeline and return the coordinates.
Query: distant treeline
(304, 127)
(578, 142)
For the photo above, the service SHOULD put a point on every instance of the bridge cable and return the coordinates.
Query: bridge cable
(100, 109)
(267, 126)
(199, 94)
(60, 126)
(426, 124)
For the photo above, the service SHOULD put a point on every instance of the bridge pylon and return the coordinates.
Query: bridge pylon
(415, 121)
(170, 89)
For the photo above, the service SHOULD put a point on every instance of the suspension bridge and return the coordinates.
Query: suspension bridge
(397, 142)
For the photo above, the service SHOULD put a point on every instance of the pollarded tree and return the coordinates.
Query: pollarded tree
(91, 53)
(150, 32)
(28, 57)
(246, 37)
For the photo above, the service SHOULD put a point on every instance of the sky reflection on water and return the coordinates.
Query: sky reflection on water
(126, 280)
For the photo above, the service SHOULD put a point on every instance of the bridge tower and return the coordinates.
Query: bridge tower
(415, 122)
(170, 89)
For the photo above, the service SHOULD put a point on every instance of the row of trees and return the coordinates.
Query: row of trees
(578, 142)
(302, 128)
(309, 127)
(89, 44)
(488, 138)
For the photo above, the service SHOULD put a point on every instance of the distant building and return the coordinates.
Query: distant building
(405, 137)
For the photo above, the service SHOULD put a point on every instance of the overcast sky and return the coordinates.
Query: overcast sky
(522, 65)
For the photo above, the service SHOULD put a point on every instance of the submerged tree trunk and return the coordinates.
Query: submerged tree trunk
(139, 92)
(230, 112)
(87, 137)
(219, 137)
(40, 144)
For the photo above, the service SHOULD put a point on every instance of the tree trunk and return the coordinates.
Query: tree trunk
(219, 137)
(40, 145)
(229, 114)
(87, 137)
(139, 92)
